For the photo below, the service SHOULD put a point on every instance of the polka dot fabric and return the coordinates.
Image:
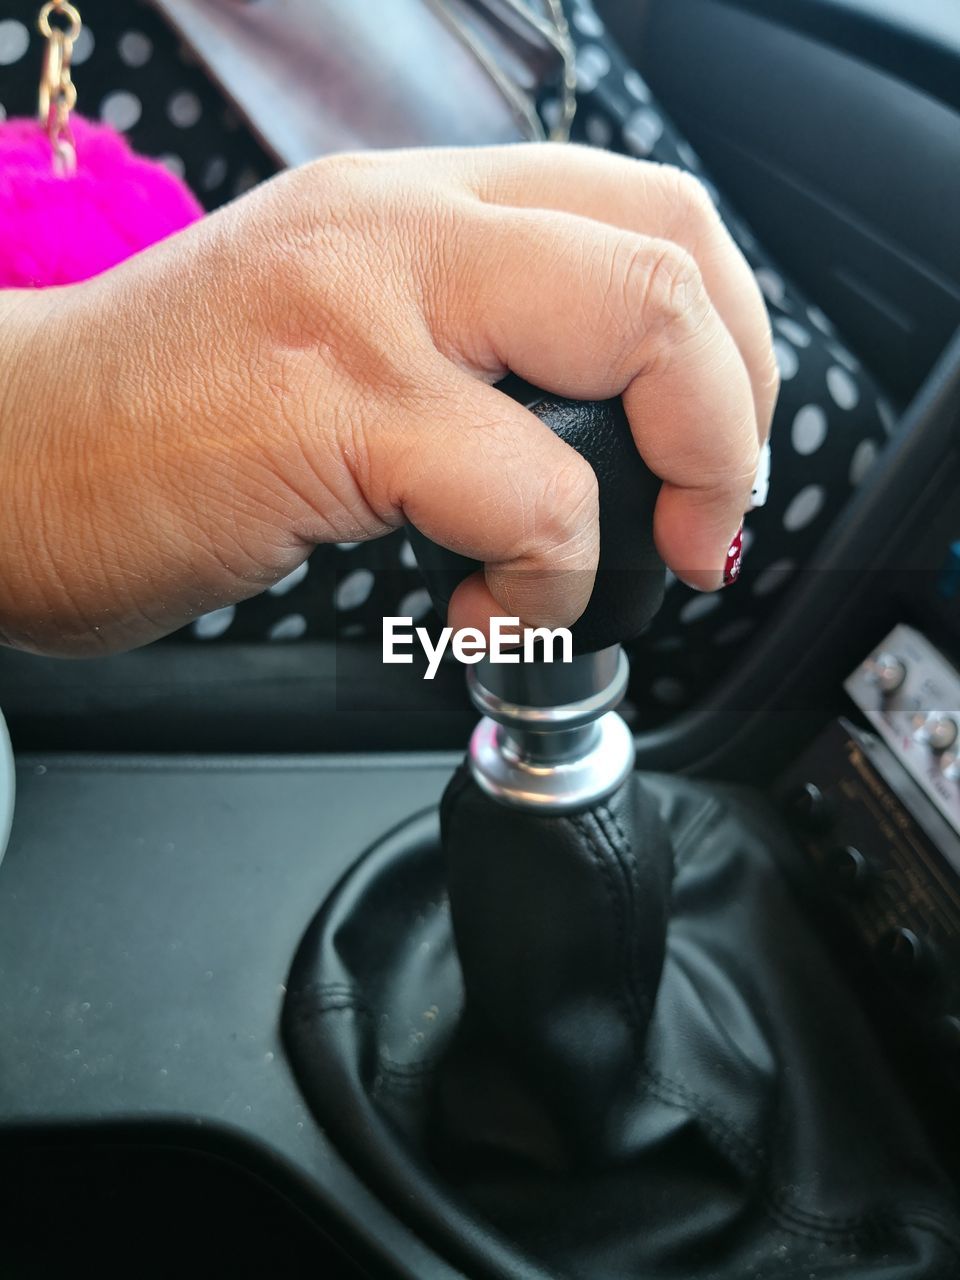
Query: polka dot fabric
(830, 422)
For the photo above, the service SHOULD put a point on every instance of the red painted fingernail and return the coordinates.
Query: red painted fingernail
(731, 570)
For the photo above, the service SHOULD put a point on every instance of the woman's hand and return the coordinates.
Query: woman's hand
(314, 363)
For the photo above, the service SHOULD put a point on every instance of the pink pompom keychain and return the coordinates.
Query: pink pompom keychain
(74, 198)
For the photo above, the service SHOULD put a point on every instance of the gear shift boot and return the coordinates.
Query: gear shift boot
(560, 925)
(657, 1071)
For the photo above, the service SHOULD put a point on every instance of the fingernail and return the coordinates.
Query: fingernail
(761, 483)
(731, 570)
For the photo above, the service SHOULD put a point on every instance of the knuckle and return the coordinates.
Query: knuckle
(665, 288)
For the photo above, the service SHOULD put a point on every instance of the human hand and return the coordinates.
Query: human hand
(314, 363)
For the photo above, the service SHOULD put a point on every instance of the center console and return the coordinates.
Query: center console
(178, 935)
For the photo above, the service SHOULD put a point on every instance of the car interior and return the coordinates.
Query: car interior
(287, 984)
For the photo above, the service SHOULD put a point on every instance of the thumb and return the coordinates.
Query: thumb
(481, 475)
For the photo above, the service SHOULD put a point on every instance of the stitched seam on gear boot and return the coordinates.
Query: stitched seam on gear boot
(623, 850)
(635, 1016)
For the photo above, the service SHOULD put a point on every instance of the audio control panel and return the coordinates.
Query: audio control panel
(882, 867)
(910, 694)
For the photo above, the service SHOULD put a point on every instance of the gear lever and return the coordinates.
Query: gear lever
(550, 740)
(583, 1030)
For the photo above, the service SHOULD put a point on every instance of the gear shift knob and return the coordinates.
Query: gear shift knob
(630, 579)
(549, 740)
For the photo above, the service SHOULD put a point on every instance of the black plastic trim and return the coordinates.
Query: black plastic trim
(918, 41)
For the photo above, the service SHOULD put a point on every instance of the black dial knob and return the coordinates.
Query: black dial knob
(848, 869)
(809, 808)
(946, 1032)
(902, 954)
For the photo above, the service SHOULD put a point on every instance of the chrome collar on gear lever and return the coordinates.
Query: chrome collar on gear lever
(550, 739)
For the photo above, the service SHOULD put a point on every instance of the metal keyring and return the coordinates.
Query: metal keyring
(62, 11)
(50, 80)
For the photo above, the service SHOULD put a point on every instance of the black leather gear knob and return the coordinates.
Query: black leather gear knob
(631, 576)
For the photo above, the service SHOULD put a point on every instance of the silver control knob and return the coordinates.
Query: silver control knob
(938, 731)
(887, 672)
